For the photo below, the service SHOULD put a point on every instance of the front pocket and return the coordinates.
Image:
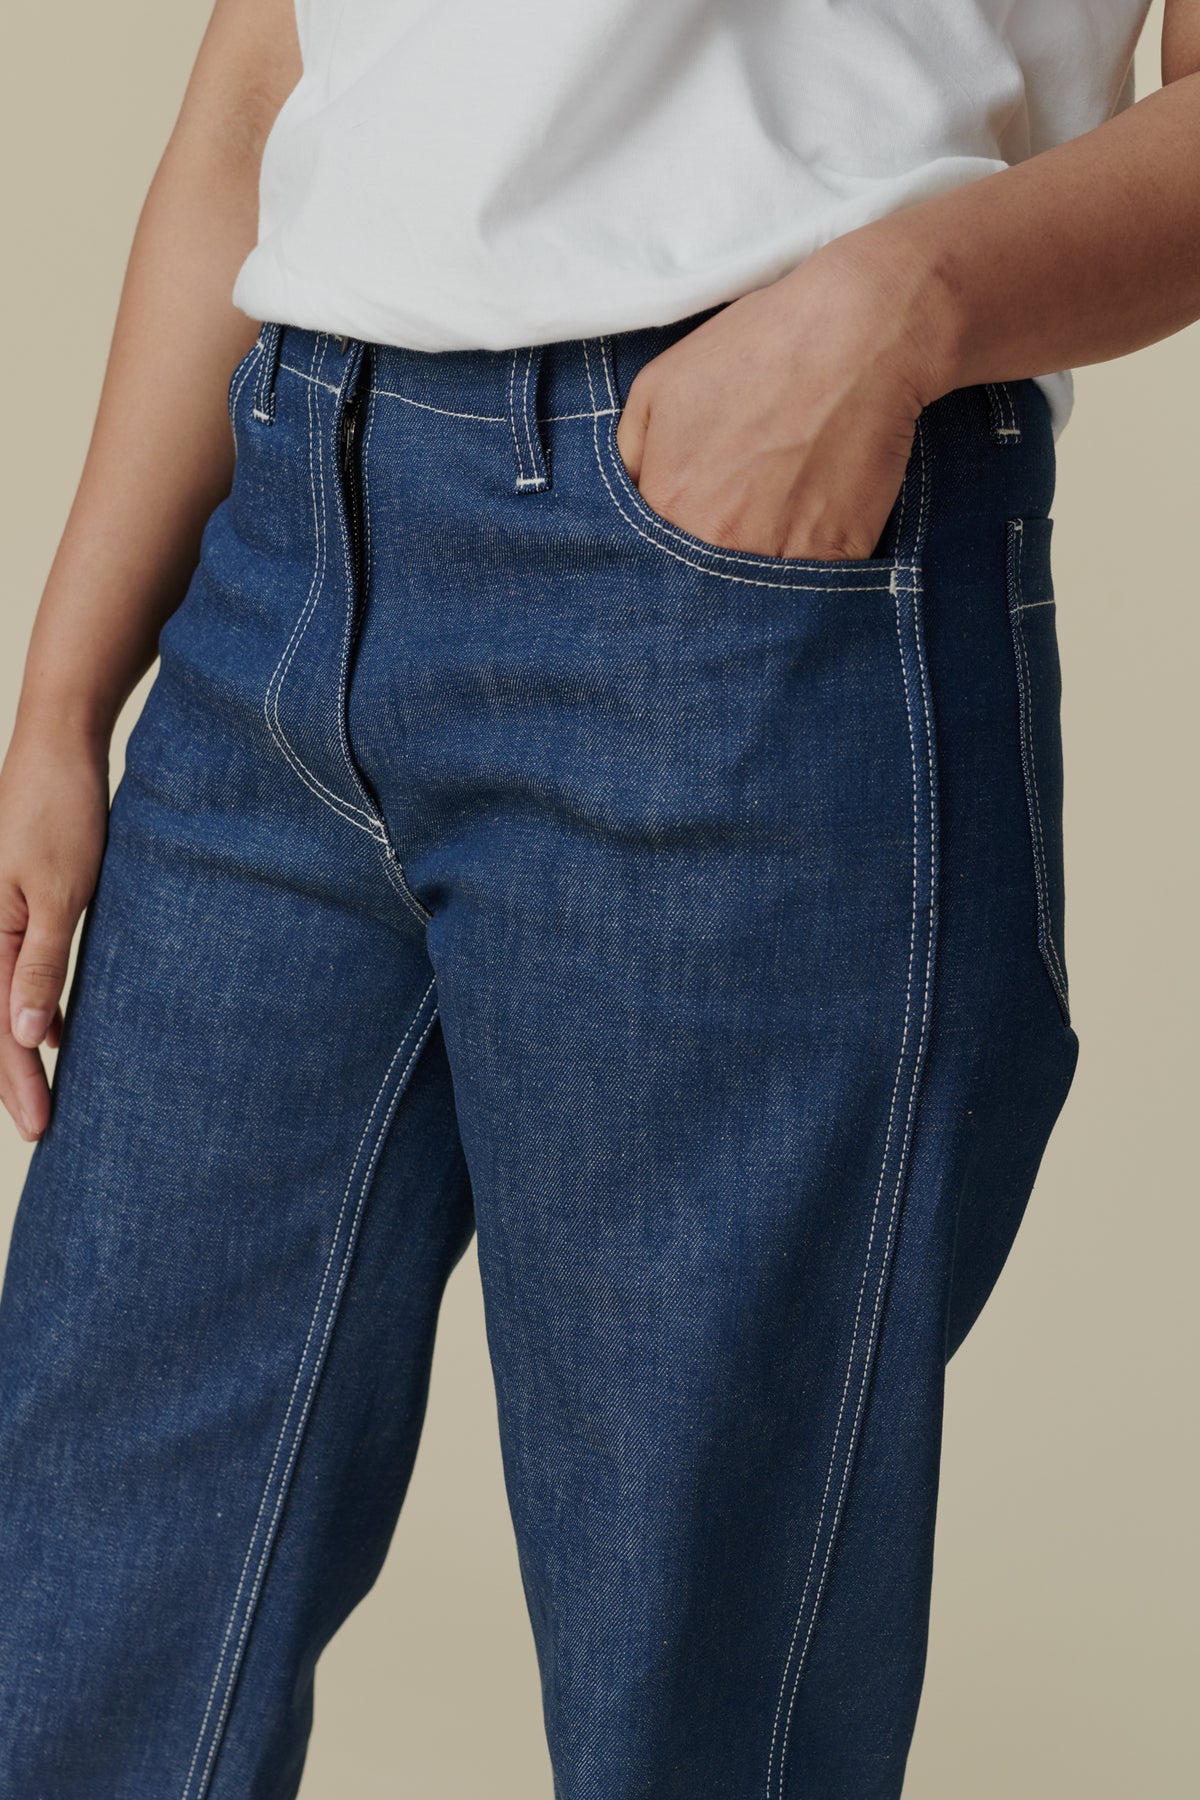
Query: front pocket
(1039, 687)
(748, 566)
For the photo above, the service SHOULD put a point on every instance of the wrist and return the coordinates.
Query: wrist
(75, 723)
(903, 283)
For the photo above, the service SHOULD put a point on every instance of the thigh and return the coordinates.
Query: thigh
(219, 1305)
(725, 1006)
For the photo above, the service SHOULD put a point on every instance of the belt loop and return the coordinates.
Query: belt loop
(356, 370)
(533, 473)
(610, 399)
(1005, 429)
(602, 380)
(268, 367)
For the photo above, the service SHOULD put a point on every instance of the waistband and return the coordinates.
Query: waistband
(531, 387)
(569, 377)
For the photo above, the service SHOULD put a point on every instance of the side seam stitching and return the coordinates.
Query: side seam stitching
(779, 1737)
(1017, 607)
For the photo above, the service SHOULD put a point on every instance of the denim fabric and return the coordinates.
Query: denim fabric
(493, 855)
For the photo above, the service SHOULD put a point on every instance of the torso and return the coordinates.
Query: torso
(458, 174)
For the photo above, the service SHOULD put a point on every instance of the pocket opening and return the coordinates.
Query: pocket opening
(749, 566)
(1031, 607)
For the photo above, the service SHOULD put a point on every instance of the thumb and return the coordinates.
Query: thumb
(632, 422)
(40, 973)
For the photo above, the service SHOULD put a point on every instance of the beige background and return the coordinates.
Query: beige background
(1063, 1657)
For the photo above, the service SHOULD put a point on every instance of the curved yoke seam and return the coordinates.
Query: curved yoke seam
(268, 1536)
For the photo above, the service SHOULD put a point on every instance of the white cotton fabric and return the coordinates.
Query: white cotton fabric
(453, 174)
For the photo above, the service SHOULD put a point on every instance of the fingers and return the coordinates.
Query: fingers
(631, 427)
(40, 973)
(23, 1086)
(33, 969)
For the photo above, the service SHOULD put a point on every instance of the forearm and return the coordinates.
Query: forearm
(161, 453)
(1085, 252)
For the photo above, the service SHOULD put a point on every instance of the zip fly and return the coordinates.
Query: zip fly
(351, 483)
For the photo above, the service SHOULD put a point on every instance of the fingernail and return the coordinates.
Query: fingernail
(31, 1026)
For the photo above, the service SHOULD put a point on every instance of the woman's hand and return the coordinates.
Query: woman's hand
(53, 818)
(783, 423)
(161, 458)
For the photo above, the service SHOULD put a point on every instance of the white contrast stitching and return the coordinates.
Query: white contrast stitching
(313, 380)
(1046, 940)
(1025, 685)
(263, 408)
(391, 861)
(364, 1188)
(883, 584)
(901, 1166)
(1060, 981)
(512, 420)
(237, 380)
(448, 412)
(601, 412)
(345, 809)
(1003, 408)
(995, 414)
(341, 511)
(533, 461)
(393, 869)
(606, 363)
(445, 411)
(536, 460)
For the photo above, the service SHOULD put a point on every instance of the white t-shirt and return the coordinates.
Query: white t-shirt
(453, 174)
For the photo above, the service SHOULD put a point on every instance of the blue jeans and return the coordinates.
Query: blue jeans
(494, 855)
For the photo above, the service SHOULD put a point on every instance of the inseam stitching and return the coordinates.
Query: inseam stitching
(368, 1174)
